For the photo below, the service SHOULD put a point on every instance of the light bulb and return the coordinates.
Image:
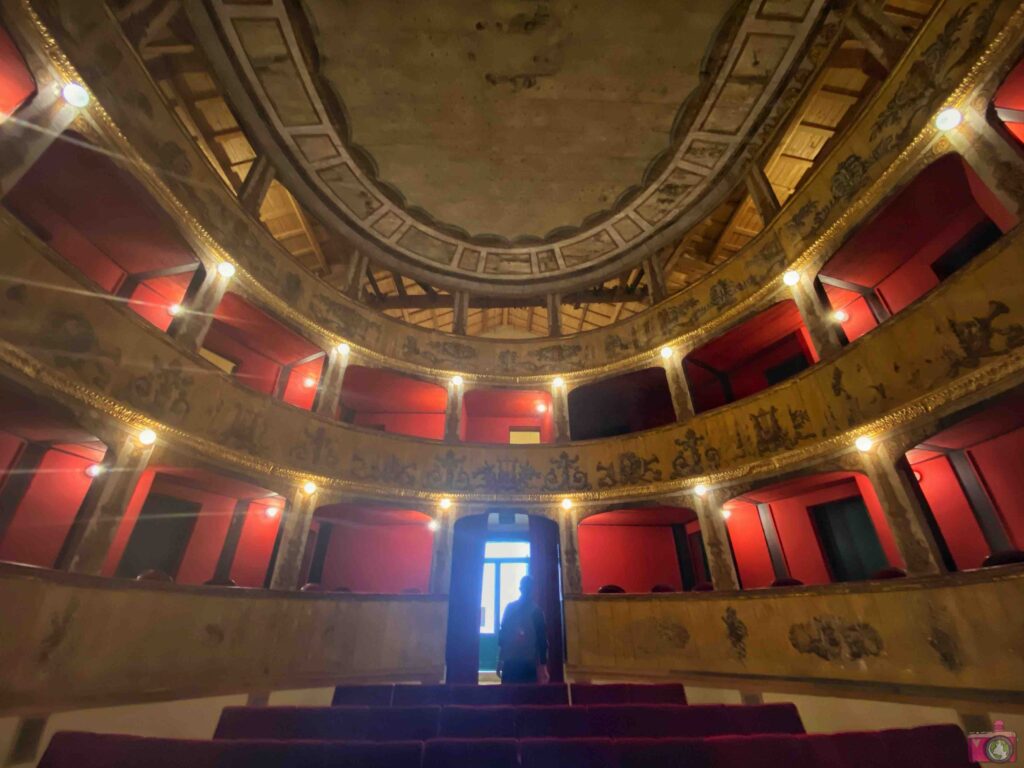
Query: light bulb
(726, 514)
(309, 487)
(344, 348)
(840, 315)
(271, 512)
(791, 277)
(445, 503)
(917, 475)
(226, 269)
(457, 380)
(75, 95)
(863, 443)
(700, 489)
(666, 352)
(147, 437)
(566, 504)
(433, 525)
(94, 470)
(948, 119)
(541, 408)
(309, 382)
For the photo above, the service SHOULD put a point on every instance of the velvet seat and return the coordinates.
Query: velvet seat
(508, 695)
(552, 722)
(669, 721)
(471, 753)
(667, 753)
(416, 695)
(477, 722)
(330, 723)
(627, 693)
(567, 753)
(363, 695)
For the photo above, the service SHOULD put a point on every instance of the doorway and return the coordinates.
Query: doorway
(506, 561)
(160, 536)
(848, 539)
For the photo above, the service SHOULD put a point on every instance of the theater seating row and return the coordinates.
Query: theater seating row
(423, 723)
(941, 746)
(511, 695)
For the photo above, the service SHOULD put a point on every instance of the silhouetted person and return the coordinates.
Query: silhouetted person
(523, 639)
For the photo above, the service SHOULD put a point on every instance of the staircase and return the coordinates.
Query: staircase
(549, 726)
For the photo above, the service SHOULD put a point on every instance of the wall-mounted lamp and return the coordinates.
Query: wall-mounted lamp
(75, 95)
(948, 118)
(226, 269)
(791, 277)
(147, 437)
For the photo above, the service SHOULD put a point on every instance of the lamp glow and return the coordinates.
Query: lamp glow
(445, 503)
(948, 119)
(666, 352)
(344, 348)
(567, 504)
(433, 525)
(309, 382)
(558, 381)
(457, 381)
(542, 408)
(700, 489)
(840, 315)
(791, 277)
(863, 443)
(174, 310)
(309, 487)
(147, 437)
(75, 95)
(94, 470)
(226, 269)
(271, 512)
(726, 514)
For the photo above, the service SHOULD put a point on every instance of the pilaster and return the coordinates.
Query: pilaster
(295, 522)
(190, 326)
(717, 548)
(823, 329)
(27, 134)
(328, 393)
(453, 412)
(441, 561)
(568, 532)
(560, 412)
(678, 387)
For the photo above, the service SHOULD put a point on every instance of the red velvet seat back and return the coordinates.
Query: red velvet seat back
(627, 693)
(363, 695)
(668, 753)
(509, 695)
(552, 722)
(567, 753)
(478, 722)
(421, 695)
(330, 723)
(471, 753)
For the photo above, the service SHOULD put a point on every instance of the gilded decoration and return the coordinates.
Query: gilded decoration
(835, 639)
(140, 127)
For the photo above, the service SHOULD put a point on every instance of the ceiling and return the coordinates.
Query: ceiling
(438, 176)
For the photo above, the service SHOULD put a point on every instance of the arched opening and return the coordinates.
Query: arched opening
(16, 81)
(104, 223)
(390, 402)
(196, 526)
(970, 475)
(48, 465)
(507, 416)
(645, 549)
(359, 548)
(262, 353)
(761, 351)
(630, 402)
(490, 554)
(816, 529)
(935, 225)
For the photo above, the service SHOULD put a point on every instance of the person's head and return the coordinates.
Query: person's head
(527, 587)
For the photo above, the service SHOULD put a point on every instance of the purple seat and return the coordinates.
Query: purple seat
(764, 718)
(508, 695)
(628, 693)
(645, 721)
(667, 753)
(478, 722)
(552, 722)
(329, 723)
(362, 696)
(567, 753)
(471, 753)
(421, 695)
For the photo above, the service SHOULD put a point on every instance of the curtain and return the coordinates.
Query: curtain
(545, 569)
(462, 651)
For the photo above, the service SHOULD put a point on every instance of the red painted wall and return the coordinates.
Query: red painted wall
(16, 83)
(385, 559)
(998, 462)
(254, 370)
(749, 545)
(131, 514)
(204, 547)
(636, 557)
(428, 425)
(861, 319)
(952, 512)
(152, 299)
(296, 392)
(255, 545)
(47, 510)
(749, 378)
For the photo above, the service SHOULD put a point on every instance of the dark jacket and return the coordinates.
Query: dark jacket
(540, 629)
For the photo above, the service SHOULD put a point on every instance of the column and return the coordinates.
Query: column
(328, 393)
(655, 279)
(357, 272)
(717, 548)
(26, 135)
(761, 192)
(994, 159)
(441, 561)
(257, 182)
(678, 386)
(222, 573)
(560, 410)
(103, 507)
(295, 522)
(554, 314)
(904, 508)
(883, 39)
(453, 411)
(823, 329)
(568, 531)
(190, 326)
(460, 316)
